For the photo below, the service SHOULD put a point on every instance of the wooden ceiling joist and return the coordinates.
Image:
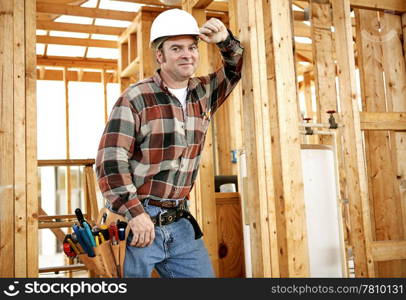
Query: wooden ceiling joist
(301, 29)
(72, 62)
(388, 5)
(82, 28)
(70, 10)
(44, 39)
(221, 6)
(384, 5)
(74, 76)
(200, 4)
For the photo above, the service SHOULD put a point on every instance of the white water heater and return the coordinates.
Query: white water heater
(326, 257)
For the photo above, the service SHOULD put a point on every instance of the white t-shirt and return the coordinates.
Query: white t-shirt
(180, 94)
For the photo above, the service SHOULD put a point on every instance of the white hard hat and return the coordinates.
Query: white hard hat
(173, 22)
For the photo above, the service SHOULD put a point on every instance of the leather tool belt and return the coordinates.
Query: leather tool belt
(174, 214)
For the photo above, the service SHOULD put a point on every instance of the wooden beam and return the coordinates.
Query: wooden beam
(384, 195)
(83, 28)
(291, 167)
(31, 139)
(357, 187)
(44, 39)
(74, 76)
(70, 10)
(131, 69)
(68, 178)
(394, 65)
(51, 17)
(7, 141)
(19, 199)
(388, 250)
(18, 185)
(324, 64)
(71, 62)
(221, 6)
(59, 234)
(200, 4)
(383, 121)
(75, 267)
(65, 162)
(256, 145)
(388, 5)
(301, 29)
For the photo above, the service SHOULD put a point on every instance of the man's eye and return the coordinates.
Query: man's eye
(175, 49)
(193, 48)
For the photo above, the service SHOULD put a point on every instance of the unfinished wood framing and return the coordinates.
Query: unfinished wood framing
(289, 140)
(372, 170)
(87, 63)
(383, 74)
(256, 200)
(71, 10)
(82, 28)
(74, 76)
(18, 182)
(324, 65)
(136, 61)
(357, 188)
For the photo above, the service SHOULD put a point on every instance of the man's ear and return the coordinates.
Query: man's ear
(159, 56)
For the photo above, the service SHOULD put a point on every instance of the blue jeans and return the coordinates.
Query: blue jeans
(174, 253)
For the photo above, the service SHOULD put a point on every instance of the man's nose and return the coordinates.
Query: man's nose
(187, 53)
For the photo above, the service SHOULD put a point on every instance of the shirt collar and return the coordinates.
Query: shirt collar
(192, 84)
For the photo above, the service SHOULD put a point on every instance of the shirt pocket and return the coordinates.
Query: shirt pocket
(196, 127)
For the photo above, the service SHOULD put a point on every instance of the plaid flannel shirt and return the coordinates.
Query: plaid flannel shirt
(151, 147)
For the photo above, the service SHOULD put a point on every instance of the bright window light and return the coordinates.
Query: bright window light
(40, 49)
(85, 128)
(104, 37)
(90, 3)
(119, 5)
(69, 34)
(96, 52)
(304, 40)
(297, 8)
(62, 50)
(41, 32)
(112, 23)
(73, 19)
(51, 119)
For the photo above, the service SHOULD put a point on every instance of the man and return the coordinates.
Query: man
(150, 150)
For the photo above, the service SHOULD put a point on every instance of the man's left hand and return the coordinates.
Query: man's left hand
(213, 31)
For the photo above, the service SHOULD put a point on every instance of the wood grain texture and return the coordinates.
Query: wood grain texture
(254, 90)
(287, 102)
(394, 67)
(324, 64)
(230, 237)
(7, 141)
(357, 186)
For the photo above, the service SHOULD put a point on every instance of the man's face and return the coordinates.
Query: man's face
(179, 57)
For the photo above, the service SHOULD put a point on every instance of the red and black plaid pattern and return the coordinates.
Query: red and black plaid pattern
(151, 147)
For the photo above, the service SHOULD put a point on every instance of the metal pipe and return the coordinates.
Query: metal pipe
(318, 125)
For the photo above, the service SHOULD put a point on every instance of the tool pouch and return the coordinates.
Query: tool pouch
(94, 264)
(117, 252)
(104, 251)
